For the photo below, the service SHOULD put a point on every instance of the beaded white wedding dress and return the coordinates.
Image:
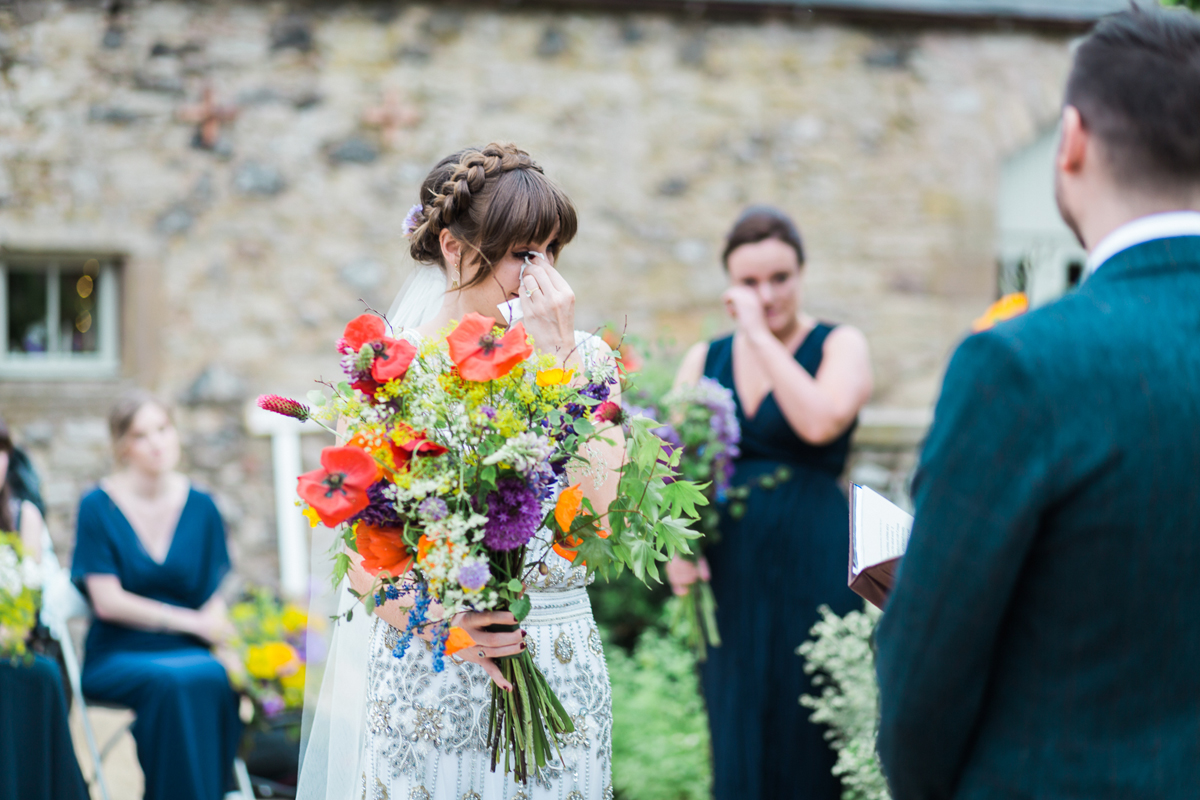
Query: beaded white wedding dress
(426, 732)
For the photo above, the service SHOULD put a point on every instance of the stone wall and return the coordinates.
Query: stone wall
(247, 249)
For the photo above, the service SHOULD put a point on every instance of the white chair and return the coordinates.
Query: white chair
(61, 603)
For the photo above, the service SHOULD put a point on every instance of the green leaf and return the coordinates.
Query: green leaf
(515, 585)
(584, 427)
(520, 607)
(316, 397)
(341, 565)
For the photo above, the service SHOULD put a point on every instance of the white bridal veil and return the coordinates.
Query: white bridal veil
(331, 742)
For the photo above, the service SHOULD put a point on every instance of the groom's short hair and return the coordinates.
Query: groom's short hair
(1136, 84)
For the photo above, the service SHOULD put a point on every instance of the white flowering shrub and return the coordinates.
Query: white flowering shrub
(840, 659)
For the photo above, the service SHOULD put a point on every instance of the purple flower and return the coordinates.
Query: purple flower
(381, 513)
(513, 515)
(475, 576)
(488, 412)
(433, 508)
(413, 220)
(272, 705)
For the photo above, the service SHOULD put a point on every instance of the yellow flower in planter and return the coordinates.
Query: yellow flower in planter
(294, 619)
(267, 661)
(295, 680)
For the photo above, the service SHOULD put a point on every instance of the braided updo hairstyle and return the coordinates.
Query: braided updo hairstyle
(491, 199)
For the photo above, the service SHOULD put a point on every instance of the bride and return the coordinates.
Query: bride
(488, 229)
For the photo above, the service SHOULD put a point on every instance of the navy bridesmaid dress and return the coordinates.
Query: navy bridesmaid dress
(37, 759)
(187, 728)
(770, 570)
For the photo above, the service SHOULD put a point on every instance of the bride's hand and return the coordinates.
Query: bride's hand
(490, 645)
(549, 307)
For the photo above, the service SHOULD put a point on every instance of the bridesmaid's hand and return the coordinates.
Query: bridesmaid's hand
(745, 306)
(490, 645)
(682, 573)
(211, 625)
(549, 307)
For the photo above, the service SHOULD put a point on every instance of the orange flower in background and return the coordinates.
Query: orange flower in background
(569, 547)
(458, 640)
(568, 506)
(338, 490)
(1007, 307)
(628, 358)
(382, 550)
(480, 355)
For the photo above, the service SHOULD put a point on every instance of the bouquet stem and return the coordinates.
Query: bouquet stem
(694, 619)
(524, 724)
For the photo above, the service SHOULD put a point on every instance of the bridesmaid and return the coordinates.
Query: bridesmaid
(37, 758)
(798, 384)
(150, 555)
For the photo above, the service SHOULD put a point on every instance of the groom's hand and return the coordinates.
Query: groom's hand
(490, 645)
(549, 306)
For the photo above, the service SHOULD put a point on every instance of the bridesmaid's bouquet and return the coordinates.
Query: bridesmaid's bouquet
(705, 435)
(270, 645)
(20, 593)
(457, 450)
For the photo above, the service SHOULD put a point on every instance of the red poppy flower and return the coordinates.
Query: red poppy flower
(360, 330)
(338, 490)
(480, 355)
(393, 362)
(382, 550)
(368, 387)
(422, 447)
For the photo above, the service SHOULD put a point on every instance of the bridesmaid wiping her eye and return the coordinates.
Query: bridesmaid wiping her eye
(798, 385)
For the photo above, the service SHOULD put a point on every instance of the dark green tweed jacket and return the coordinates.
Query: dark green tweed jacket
(1043, 638)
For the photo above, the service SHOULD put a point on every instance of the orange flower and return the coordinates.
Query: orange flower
(479, 354)
(338, 490)
(569, 547)
(382, 550)
(458, 640)
(568, 505)
(1007, 307)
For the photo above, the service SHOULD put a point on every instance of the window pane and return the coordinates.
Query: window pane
(77, 308)
(27, 331)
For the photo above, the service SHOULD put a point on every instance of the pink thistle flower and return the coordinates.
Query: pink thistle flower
(608, 411)
(284, 406)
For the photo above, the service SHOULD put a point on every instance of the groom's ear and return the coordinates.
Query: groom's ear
(1073, 144)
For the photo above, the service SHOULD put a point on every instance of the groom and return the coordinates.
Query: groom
(1043, 638)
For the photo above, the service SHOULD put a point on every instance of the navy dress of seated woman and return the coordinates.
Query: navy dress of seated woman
(187, 728)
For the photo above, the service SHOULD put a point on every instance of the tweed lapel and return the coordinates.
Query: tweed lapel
(1159, 256)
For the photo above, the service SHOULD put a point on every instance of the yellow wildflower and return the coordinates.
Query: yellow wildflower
(294, 619)
(554, 377)
(266, 661)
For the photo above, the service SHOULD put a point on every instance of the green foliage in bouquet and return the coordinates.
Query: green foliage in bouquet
(1194, 5)
(20, 594)
(842, 663)
(660, 730)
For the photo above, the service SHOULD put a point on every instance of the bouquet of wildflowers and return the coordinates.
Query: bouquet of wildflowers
(270, 643)
(20, 593)
(456, 455)
(705, 433)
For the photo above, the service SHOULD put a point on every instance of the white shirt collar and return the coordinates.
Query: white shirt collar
(1145, 229)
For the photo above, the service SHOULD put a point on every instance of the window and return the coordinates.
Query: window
(59, 315)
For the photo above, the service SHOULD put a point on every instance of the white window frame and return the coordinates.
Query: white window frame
(105, 362)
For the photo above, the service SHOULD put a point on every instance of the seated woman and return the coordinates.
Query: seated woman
(37, 759)
(150, 555)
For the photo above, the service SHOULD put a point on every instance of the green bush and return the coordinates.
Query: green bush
(660, 729)
(841, 661)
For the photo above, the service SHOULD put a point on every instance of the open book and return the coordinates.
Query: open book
(879, 532)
